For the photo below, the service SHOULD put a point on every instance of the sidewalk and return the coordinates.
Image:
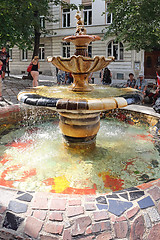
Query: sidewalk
(13, 84)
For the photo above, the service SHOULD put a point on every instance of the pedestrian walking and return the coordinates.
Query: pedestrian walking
(34, 71)
(4, 57)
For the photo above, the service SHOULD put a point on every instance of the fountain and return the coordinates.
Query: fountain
(80, 105)
(32, 158)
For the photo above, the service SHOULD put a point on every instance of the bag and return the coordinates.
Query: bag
(29, 68)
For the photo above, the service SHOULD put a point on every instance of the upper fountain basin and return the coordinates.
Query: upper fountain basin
(81, 40)
(80, 64)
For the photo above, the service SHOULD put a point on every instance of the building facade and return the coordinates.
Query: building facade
(95, 22)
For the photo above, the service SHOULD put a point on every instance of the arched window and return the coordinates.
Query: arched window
(115, 49)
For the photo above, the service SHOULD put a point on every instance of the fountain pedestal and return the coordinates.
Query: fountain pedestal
(79, 127)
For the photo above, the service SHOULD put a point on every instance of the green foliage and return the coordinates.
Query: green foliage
(20, 20)
(135, 22)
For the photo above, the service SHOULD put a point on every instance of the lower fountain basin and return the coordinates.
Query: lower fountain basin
(34, 157)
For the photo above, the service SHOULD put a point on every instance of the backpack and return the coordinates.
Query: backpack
(29, 68)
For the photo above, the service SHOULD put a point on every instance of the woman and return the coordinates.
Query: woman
(34, 71)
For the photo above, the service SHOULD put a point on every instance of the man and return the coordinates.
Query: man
(141, 84)
(4, 57)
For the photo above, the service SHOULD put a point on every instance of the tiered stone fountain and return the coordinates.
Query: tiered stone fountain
(80, 105)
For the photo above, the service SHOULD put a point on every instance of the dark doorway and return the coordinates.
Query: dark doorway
(151, 64)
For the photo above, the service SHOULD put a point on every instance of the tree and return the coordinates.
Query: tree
(20, 21)
(135, 22)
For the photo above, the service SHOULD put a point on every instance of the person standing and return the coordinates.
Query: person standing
(131, 82)
(106, 76)
(1, 65)
(34, 71)
(4, 57)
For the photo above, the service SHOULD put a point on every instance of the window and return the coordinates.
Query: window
(41, 52)
(10, 54)
(24, 54)
(42, 21)
(116, 49)
(90, 50)
(108, 15)
(66, 18)
(66, 50)
(120, 76)
(87, 15)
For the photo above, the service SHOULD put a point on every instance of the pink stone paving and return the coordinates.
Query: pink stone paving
(155, 193)
(74, 202)
(40, 203)
(45, 237)
(80, 225)
(74, 210)
(154, 233)
(52, 227)
(56, 216)
(58, 204)
(2, 209)
(105, 236)
(137, 229)
(121, 229)
(33, 226)
(132, 212)
(67, 234)
(101, 215)
(40, 214)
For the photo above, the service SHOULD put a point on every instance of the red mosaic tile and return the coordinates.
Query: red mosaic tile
(132, 212)
(33, 227)
(145, 185)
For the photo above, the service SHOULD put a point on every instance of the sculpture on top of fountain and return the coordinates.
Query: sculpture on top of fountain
(80, 29)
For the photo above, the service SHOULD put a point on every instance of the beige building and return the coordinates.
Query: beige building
(95, 22)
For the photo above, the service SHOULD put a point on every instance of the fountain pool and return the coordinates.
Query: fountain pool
(33, 156)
